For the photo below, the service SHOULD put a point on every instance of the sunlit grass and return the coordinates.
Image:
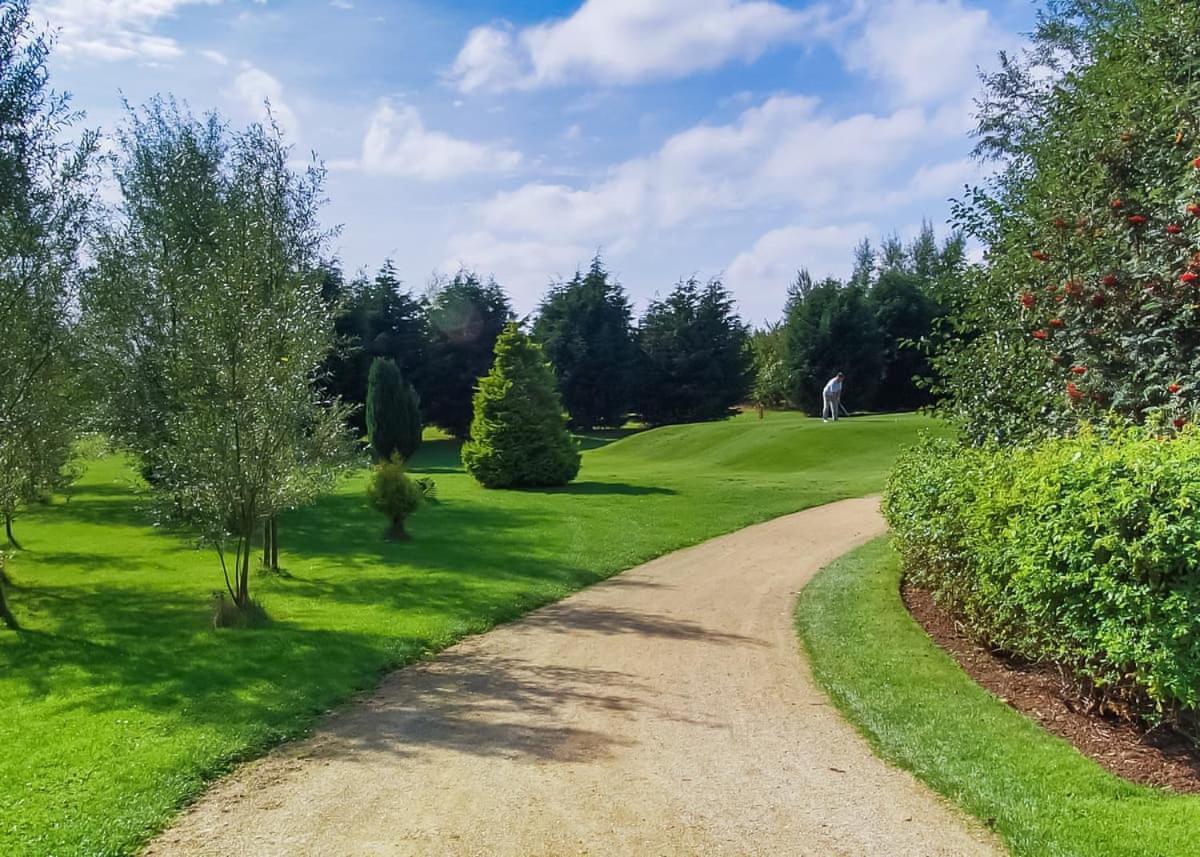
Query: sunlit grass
(921, 711)
(120, 700)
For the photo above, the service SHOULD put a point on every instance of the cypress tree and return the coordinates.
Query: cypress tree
(519, 436)
(393, 416)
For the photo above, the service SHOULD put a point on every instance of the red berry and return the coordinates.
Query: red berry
(1179, 422)
(1194, 210)
(1040, 256)
(1174, 229)
(1098, 300)
(1110, 280)
(1079, 370)
(1189, 277)
(1074, 392)
(1136, 219)
(1028, 300)
(1060, 223)
(1116, 203)
(1073, 288)
(1196, 163)
(1039, 334)
(1057, 322)
(1173, 388)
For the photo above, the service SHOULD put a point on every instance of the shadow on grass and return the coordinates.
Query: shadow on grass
(598, 438)
(620, 488)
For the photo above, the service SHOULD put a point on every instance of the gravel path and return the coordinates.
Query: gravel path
(667, 711)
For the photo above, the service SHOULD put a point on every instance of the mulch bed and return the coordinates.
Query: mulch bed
(1155, 758)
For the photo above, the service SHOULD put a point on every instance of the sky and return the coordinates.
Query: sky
(736, 138)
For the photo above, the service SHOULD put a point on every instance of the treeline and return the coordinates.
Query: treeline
(686, 359)
(875, 327)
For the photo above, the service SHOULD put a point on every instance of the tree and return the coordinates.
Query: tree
(696, 363)
(904, 315)
(466, 316)
(206, 318)
(519, 436)
(394, 494)
(585, 327)
(769, 347)
(831, 328)
(393, 417)
(46, 191)
(1088, 304)
(376, 318)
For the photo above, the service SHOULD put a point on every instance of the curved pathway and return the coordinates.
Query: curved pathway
(667, 711)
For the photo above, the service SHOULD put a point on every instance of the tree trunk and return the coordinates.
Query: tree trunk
(6, 616)
(266, 560)
(243, 575)
(398, 533)
(12, 540)
(274, 543)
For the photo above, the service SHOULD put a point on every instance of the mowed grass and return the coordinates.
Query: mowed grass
(922, 712)
(120, 700)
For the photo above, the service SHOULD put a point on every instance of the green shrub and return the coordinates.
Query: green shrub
(393, 415)
(393, 493)
(519, 436)
(1082, 551)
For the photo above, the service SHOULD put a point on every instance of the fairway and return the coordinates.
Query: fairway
(122, 701)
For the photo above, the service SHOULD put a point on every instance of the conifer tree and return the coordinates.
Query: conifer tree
(519, 436)
(393, 417)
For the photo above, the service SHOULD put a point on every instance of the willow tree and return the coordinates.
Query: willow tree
(206, 318)
(45, 199)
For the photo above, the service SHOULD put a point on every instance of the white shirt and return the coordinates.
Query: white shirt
(834, 387)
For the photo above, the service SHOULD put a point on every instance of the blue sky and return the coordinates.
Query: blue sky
(742, 138)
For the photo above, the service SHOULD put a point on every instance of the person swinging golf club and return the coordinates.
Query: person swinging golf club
(831, 398)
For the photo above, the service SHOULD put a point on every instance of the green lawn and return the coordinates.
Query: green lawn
(921, 711)
(120, 700)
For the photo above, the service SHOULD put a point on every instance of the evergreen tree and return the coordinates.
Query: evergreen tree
(377, 318)
(393, 416)
(585, 327)
(696, 360)
(519, 436)
(831, 328)
(904, 314)
(466, 316)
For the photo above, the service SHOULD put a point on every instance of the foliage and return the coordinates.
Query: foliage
(519, 436)
(1081, 551)
(393, 493)
(923, 713)
(768, 347)
(393, 415)
(585, 327)
(46, 191)
(1092, 225)
(375, 318)
(466, 316)
(877, 327)
(830, 329)
(695, 360)
(208, 328)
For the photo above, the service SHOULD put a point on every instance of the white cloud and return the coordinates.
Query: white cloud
(924, 50)
(115, 29)
(624, 41)
(526, 267)
(344, 5)
(397, 143)
(254, 89)
(215, 57)
(760, 275)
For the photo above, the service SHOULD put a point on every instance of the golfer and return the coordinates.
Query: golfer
(832, 397)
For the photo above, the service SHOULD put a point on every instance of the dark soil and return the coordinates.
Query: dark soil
(1158, 757)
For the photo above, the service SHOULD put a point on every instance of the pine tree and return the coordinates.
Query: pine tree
(393, 416)
(586, 329)
(519, 436)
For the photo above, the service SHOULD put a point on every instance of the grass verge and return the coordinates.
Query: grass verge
(121, 701)
(919, 710)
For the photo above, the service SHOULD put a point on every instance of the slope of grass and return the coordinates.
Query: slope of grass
(921, 711)
(120, 700)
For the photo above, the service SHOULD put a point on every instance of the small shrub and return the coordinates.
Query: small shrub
(1082, 551)
(394, 494)
(519, 436)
